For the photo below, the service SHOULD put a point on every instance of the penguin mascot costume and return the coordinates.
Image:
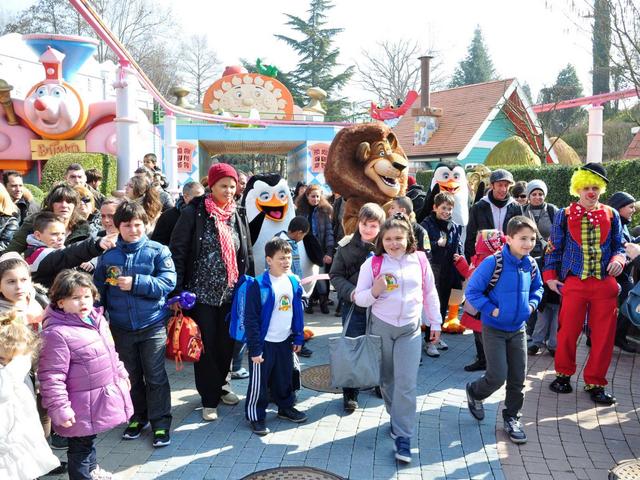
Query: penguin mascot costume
(269, 205)
(450, 177)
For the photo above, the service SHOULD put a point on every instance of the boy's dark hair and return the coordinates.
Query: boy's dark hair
(299, 224)
(43, 219)
(93, 175)
(371, 212)
(9, 173)
(276, 245)
(66, 282)
(130, 210)
(444, 197)
(406, 203)
(73, 168)
(520, 222)
(401, 221)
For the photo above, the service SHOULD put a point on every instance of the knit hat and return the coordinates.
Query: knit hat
(501, 175)
(221, 170)
(620, 199)
(411, 180)
(536, 185)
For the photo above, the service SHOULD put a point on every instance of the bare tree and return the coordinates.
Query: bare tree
(199, 64)
(47, 16)
(625, 40)
(393, 69)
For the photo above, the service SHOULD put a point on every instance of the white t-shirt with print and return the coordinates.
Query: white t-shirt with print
(282, 315)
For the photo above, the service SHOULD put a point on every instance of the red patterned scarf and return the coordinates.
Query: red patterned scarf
(221, 216)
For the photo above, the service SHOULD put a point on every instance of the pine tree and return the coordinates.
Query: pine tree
(318, 58)
(567, 87)
(477, 66)
(601, 47)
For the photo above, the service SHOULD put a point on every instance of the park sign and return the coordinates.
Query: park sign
(45, 149)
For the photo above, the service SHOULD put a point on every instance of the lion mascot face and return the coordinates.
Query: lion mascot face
(365, 164)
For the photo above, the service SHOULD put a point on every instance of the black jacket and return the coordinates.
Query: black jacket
(418, 196)
(26, 208)
(187, 238)
(164, 226)
(480, 218)
(8, 228)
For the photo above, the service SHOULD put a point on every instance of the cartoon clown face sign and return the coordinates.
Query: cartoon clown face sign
(53, 109)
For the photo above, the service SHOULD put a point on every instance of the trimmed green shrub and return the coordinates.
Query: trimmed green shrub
(38, 194)
(53, 171)
(514, 151)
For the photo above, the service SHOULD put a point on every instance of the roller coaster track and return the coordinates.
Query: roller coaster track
(94, 20)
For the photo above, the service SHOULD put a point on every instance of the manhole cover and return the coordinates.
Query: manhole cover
(629, 470)
(292, 473)
(318, 378)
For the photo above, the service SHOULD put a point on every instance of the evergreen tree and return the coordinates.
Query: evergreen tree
(601, 47)
(567, 87)
(318, 58)
(477, 66)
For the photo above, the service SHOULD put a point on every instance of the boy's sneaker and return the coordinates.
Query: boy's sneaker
(100, 474)
(134, 429)
(259, 428)
(58, 442)
(431, 350)
(292, 414)
(240, 374)
(402, 447)
(441, 345)
(161, 438)
(475, 406)
(305, 352)
(513, 427)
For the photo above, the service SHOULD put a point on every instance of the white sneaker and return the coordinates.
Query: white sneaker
(432, 350)
(229, 398)
(209, 414)
(100, 474)
(239, 374)
(441, 345)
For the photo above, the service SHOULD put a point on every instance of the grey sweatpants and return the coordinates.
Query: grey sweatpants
(506, 354)
(399, 372)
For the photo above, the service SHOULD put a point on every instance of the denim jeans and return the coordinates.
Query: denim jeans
(81, 457)
(357, 327)
(506, 354)
(142, 353)
(546, 330)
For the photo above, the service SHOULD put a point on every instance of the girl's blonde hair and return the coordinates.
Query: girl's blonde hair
(401, 221)
(7, 207)
(84, 192)
(16, 337)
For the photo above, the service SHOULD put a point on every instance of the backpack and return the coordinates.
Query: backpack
(236, 316)
(184, 341)
(493, 281)
(631, 306)
(376, 265)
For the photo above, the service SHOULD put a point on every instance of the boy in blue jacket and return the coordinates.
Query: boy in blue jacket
(134, 280)
(506, 288)
(274, 325)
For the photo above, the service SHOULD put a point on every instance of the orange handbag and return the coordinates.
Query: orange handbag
(184, 341)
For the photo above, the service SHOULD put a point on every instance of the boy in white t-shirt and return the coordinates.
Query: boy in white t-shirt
(274, 327)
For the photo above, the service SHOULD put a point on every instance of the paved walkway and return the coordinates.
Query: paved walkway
(450, 444)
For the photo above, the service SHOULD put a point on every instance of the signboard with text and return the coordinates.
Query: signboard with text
(45, 149)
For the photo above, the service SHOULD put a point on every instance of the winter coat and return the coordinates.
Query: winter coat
(81, 231)
(186, 239)
(322, 229)
(516, 293)
(8, 228)
(166, 223)
(481, 218)
(26, 208)
(258, 314)
(24, 453)
(544, 222)
(154, 277)
(418, 197)
(442, 256)
(81, 375)
(345, 268)
(45, 263)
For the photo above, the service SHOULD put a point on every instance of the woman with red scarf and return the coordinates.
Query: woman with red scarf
(211, 248)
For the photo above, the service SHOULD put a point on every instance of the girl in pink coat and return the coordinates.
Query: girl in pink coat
(83, 383)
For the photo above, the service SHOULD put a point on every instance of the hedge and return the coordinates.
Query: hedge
(53, 171)
(623, 176)
(38, 194)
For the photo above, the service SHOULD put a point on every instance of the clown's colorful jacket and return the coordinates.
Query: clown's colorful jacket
(569, 241)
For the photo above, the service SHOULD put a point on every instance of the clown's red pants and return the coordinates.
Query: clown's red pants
(600, 299)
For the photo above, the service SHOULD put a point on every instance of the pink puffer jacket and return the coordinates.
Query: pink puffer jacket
(81, 375)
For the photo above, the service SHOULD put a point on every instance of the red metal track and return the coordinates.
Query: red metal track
(594, 100)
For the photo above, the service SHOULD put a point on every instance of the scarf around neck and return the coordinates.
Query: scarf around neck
(221, 216)
(498, 203)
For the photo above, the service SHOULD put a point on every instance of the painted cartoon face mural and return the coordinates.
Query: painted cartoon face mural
(54, 110)
(240, 93)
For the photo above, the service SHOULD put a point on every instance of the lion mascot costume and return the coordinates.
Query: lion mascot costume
(365, 164)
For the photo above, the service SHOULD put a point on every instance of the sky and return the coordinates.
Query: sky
(531, 40)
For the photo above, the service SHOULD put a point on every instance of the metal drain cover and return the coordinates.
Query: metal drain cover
(629, 470)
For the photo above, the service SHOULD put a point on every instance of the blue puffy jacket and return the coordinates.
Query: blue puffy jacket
(154, 277)
(515, 291)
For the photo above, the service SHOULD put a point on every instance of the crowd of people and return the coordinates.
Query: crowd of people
(84, 282)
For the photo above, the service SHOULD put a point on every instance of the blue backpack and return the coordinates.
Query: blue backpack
(238, 308)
